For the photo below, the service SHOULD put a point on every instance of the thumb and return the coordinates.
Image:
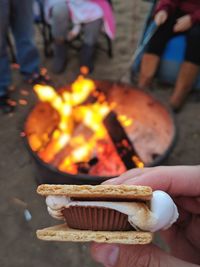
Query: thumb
(113, 255)
(126, 255)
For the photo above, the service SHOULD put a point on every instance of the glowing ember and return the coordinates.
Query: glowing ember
(12, 102)
(80, 141)
(23, 102)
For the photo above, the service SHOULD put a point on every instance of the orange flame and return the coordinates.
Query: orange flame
(69, 106)
(74, 110)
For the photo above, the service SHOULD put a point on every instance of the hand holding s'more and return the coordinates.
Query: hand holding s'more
(182, 183)
(119, 211)
(126, 214)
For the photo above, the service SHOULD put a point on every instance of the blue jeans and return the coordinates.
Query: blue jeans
(18, 16)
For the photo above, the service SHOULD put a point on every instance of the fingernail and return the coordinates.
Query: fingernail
(111, 181)
(107, 255)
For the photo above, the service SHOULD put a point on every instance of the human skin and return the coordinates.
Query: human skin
(160, 17)
(183, 238)
(183, 24)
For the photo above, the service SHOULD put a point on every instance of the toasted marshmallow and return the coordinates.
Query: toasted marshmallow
(56, 214)
(164, 209)
(57, 202)
(162, 215)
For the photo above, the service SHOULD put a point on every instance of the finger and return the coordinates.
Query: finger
(169, 234)
(129, 255)
(183, 240)
(158, 21)
(193, 233)
(164, 19)
(184, 217)
(191, 205)
(177, 26)
(180, 20)
(127, 175)
(182, 25)
(122, 255)
(176, 180)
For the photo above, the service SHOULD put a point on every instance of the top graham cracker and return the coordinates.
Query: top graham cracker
(127, 192)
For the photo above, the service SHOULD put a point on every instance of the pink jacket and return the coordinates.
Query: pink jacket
(109, 20)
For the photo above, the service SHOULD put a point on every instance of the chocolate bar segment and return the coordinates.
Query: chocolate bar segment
(96, 219)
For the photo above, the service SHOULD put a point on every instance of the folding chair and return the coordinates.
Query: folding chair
(172, 57)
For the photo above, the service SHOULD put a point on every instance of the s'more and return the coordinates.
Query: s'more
(125, 214)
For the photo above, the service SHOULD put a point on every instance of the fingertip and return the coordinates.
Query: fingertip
(94, 250)
(132, 181)
(107, 254)
(112, 181)
(94, 247)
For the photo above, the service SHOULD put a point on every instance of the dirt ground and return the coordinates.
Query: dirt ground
(18, 244)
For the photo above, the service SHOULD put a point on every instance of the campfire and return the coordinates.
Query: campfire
(93, 127)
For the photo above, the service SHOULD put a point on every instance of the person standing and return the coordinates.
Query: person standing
(68, 17)
(17, 15)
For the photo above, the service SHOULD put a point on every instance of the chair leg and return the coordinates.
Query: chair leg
(48, 41)
(110, 49)
(12, 52)
(46, 32)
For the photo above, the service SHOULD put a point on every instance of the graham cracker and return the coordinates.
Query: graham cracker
(98, 191)
(64, 233)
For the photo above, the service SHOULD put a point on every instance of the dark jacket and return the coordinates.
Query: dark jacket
(191, 7)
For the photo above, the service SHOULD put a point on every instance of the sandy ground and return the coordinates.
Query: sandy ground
(19, 246)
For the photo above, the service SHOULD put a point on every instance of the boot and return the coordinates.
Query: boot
(186, 78)
(60, 56)
(87, 57)
(148, 69)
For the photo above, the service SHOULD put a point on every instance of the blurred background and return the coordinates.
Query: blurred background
(22, 211)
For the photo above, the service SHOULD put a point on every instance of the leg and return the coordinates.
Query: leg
(60, 25)
(91, 32)
(156, 46)
(148, 69)
(5, 73)
(22, 27)
(189, 69)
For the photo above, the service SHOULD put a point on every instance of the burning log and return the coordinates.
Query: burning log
(85, 120)
(80, 132)
(121, 141)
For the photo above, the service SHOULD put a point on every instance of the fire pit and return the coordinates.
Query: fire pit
(94, 130)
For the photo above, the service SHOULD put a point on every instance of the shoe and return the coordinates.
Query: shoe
(5, 106)
(60, 57)
(87, 57)
(40, 78)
